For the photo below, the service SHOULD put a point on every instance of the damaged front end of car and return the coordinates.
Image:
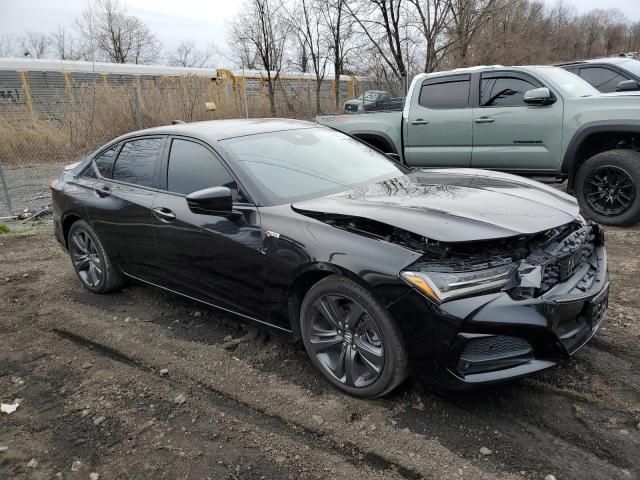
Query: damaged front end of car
(523, 302)
(502, 308)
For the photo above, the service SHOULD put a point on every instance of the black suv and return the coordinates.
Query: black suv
(611, 74)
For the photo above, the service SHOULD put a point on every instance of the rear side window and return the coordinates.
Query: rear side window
(603, 79)
(445, 95)
(503, 92)
(137, 161)
(104, 162)
(193, 167)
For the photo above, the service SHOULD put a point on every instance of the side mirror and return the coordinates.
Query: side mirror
(211, 201)
(538, 96)
(627, 86)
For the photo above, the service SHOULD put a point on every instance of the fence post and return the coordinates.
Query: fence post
(136, 96)
(6, 190)
(27, 91)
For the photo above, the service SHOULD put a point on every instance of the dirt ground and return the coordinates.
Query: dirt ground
(95, 398)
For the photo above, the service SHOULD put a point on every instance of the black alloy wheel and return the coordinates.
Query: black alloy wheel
(610, 190)
(85, 258)
(351, 338)
(607, 186)
(90, 261)
(346, 341)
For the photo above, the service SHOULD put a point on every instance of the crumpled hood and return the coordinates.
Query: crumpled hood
(453, 205)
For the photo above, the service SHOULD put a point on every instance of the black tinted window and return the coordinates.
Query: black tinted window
(137, 161)
(603, 79)
(445, 95)
(104, 162)
(192, 167)
(89, 171)
(503, 92)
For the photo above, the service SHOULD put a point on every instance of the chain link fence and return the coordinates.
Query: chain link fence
(54, 113)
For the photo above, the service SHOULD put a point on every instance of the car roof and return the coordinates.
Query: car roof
(224, 129)
(611, 60)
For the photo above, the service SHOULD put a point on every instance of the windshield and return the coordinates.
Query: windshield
(293, 165)
(369, 96)
(632, 65)
(570, 84)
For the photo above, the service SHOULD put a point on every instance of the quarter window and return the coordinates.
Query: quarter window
(603, 79)
(503, 92)
(193, 167)
(445, 95)
(104, 162)
(137, 161)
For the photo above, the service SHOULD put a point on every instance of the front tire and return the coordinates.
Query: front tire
(90, 261)
(608, 187)
(351, 338)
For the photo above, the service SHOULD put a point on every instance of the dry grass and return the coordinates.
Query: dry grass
(73, 127)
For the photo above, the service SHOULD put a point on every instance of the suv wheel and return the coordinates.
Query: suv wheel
(608, 187)
(351, 338)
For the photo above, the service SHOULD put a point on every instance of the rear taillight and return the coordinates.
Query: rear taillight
(54, 184)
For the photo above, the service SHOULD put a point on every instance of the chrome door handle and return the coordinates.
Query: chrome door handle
(419, 121)
(485, 120)
(164, 214)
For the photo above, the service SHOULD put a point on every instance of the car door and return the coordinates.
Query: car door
(508, 134)
(438, 131)
(605, 79)
(214, 258)
(120, 210)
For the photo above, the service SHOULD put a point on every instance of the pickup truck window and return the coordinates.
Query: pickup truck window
(445, 95)
(503, 92)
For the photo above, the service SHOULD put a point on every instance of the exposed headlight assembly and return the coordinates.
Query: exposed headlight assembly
(443, 286)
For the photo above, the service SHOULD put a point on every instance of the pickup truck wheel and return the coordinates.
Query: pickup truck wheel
(608, 187)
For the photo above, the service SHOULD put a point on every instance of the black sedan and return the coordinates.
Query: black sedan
(471, 276)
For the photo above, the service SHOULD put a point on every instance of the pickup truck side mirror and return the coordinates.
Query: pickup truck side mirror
(627, 86)
(538, 96)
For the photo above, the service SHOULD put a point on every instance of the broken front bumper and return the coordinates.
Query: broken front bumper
(496, 337)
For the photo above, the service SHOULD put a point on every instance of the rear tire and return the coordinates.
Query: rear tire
(608, 187)
(90, 261)
(351, 338)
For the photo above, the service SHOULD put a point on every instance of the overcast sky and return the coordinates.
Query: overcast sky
(203, 21)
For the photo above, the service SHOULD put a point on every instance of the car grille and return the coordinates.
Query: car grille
(495, 346)
(567, 256)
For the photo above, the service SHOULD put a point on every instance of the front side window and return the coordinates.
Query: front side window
(445, 95)
(603, 79)
(193, 167)
(137, 161)
(503, 92)
(292, 165)
(104, 162)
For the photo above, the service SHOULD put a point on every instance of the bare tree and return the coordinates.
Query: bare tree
(34, 44)
(613, 31)
(340, 32)
(8, 46)
(467, 17)
(262, 29)
(65, 45)
(433, 18)
(382, 21)
(187, 54)
(307, 22)
(592, 25)
(117, 36)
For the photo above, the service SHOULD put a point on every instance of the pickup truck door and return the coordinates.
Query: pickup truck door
(439, 129)
(511, 135)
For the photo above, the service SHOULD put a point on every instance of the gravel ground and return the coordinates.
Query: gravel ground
(28, 186)
(141, 384)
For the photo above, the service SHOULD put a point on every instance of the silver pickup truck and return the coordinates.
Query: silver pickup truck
(542, 122)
